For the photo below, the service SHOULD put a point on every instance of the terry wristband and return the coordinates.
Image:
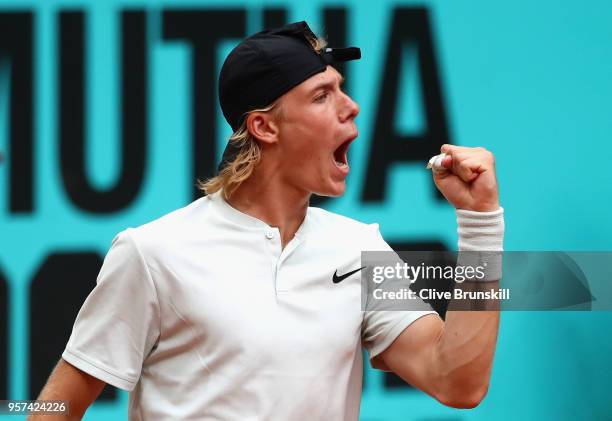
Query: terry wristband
(481, 238)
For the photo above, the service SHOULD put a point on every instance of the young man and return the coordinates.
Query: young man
(240, 305)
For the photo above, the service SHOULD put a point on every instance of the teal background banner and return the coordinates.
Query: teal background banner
(109, 114)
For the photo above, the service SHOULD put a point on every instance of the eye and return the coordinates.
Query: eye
(322, 97)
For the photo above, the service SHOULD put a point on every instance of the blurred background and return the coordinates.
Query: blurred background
(109, 113)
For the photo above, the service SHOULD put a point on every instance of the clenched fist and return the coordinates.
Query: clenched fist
(466, 177)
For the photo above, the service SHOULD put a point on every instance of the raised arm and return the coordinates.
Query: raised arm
(73, 385)
(452, 360)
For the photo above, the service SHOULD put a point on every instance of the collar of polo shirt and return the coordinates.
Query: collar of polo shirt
(250, 222)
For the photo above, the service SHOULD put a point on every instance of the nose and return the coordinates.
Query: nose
(349, 109)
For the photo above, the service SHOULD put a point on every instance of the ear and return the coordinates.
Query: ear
(263, 127)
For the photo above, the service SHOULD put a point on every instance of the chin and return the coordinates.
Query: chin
(332, 191)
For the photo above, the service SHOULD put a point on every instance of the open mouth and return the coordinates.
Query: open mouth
(340, 154)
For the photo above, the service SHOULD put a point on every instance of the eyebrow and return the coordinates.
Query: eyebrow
(327, 85)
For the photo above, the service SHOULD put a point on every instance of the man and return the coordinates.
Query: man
(226, 309)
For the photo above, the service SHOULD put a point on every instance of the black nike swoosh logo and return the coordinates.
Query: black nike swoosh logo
(336, 279)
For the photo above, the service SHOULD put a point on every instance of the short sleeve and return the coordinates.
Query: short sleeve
(380, 328)
(119, 322)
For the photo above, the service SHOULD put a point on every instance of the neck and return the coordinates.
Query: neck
(275, 203)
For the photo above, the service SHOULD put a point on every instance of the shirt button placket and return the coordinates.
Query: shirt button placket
(276, 254)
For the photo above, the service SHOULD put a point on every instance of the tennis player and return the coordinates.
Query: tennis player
(245, 304)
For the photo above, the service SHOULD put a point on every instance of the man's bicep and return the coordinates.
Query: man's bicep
(412, 354)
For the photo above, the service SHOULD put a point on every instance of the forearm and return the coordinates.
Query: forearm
(70, 384)
(466, 347)
(465, 351)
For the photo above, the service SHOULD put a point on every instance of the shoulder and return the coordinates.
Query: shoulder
(339, 227)
(330, 219)
(177, 222)
(172, 228)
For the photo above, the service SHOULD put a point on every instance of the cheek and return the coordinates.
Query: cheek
(317, 118)
(309, 139)
(307, 142)
(307, 163)
(298, 153)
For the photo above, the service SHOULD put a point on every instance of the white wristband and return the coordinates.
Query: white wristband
(480, 231)
(481, 241)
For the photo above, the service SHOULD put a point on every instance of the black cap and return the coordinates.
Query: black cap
(268, 64)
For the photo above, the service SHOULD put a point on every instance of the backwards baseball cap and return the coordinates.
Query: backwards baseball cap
(265, 66)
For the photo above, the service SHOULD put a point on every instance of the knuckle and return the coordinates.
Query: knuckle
(462, 156)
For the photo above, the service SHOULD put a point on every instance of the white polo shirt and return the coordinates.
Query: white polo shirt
(202, 315)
